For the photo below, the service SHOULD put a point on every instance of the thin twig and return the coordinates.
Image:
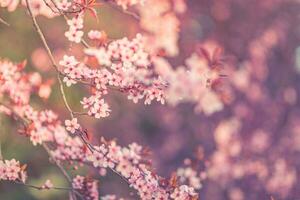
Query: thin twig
(90, 146)
(4, 22)
(39, 31)
(62, 169)
(44, 145)
(52, 188)
(40, 187)
(57, 163)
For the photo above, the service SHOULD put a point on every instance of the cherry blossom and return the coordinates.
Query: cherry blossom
(183, 192)
(11, 170)
(132, 66)
(96, 35)
(161, 21)
(74, 35)
(72, 125)
(47, 185)
(87, 187)
(64, 5)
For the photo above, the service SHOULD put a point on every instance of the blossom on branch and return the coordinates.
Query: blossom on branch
(12, 170)
(72, 125)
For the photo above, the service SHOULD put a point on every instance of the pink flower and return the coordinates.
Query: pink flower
(76, 23)
(103, 57)
(95, 35)
(86, 186)
(135, 96)
(98, 157)
(69, 81)
(125, 168)
(78, 182)
(36, 137)
(183, 192)
(68, 61)
(64, 5)
(100, 109)
(97, 106)
(74, 35)
(72, 125)
(47, 185)
(11, 170)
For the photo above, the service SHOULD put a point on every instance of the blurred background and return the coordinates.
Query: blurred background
(251, 148)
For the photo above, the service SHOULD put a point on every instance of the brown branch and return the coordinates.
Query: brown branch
(57, 163)
(44, 145)
(42, 37)
(40, 187)
(90, 146)
(52, 188)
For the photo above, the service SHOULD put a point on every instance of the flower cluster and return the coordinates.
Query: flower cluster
(68, 148)
(130, 162)
(190, 176)
(97, 35)
(57, 7)
(129, 66)
(124, 66)
(183, 192)
(191, 84)
(75, 33)
(72, 125)
(144, 69)
(18, 85)
(159, 18)
(12, 170)
(87, 187)
(225, 167)
(64, 5)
